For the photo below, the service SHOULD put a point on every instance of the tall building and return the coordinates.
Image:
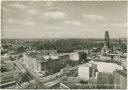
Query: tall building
(106, 40)
(106, 47)
(87, 71)
(36, 61)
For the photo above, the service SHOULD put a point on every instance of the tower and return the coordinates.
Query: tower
(106, 41)
(119, 44)
(119, 41)
(106, 47)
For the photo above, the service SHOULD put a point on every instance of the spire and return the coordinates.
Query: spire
(106, 37)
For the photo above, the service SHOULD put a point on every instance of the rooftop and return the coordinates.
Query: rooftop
(37, 56)
(87, 64)
(122, 72)
(40, 57)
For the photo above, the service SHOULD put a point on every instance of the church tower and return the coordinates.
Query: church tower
(106, 41)
(106, 47)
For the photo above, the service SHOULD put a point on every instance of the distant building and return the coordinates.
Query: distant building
(82, 57)
(106, 57)
(87, 71)
(51, 56)
(104, 80)
(106, 42)
(48, 52)
(78, 56)
(120, 43)
(106, 47)
(120, 79)
(74, 56)
(118, 48)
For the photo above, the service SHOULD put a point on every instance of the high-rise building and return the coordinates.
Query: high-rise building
(106, 47)
(106, 40)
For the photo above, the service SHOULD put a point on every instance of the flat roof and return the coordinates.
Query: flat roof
(37, 56)
(122, 72)
(87, 65)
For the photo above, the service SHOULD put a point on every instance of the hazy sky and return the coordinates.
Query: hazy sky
(72, 19)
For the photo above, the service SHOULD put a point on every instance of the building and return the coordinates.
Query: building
(106, 47)
(118, 48)
(120, 79)
(37, 62)
(82, 57)
(74, 56)
(106, 57)
(78, 56)
(87, 71)
(106, 40)
(104, 80)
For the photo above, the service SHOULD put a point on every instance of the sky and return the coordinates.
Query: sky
(63, 19)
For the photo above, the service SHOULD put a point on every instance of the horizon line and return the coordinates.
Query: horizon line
(64, 38)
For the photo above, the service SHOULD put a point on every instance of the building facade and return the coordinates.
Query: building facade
(87, 71)
(38, 63)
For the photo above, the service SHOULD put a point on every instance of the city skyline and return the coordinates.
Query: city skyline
(79, 19)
